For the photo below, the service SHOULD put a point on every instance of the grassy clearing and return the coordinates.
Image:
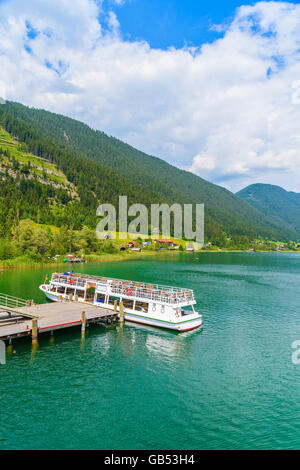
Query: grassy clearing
(39, 166)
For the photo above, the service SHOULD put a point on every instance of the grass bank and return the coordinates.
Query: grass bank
(27, 262)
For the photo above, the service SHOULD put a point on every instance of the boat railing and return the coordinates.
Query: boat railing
(156, 293)
(69, 280)
(170, 297)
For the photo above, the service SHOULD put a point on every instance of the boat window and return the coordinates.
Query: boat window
(89, 297)
(112, 299)
(128, 304)
(187, 310)
(70, 291)
(90, 294)
(61, 290)
(142, 307)
(100, 298)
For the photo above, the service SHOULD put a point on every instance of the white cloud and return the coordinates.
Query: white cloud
(203, 161)
(228, 111)
(113, 22)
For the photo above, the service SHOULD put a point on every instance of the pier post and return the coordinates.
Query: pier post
(34, 331)
(114, 319)
(121, 316)
(9, 348)
(83, 322)
(51, 340)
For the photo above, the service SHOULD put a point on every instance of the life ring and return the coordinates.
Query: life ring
(128, 292)
(71, 282)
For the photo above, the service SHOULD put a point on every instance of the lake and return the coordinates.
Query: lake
(230, 385)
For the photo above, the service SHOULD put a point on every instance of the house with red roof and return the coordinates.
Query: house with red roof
(170, 243)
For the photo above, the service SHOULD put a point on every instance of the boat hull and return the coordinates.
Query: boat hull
(51, 297)
(180, 326)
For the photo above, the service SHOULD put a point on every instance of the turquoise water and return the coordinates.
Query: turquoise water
(231, 385)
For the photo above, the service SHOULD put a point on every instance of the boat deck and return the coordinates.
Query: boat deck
(139, 290)
(50, 316)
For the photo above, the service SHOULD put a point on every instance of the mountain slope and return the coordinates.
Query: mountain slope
(30, 187)
(144, 178)
(281, 206)
(15, 157)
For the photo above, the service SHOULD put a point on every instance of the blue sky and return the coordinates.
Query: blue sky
(165, 23)
(158, 75)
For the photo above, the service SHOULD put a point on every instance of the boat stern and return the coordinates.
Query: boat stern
(190, 324)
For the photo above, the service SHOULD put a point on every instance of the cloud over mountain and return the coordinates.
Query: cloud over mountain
(228, 111)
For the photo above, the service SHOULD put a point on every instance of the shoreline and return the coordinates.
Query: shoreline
(51, 264)
(21, 264)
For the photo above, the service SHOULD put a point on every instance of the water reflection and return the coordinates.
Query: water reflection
(51, 339)
(165, 343)
(9, 350)
(34, 350)
(82, 340)
(134, 339)
(101, 343)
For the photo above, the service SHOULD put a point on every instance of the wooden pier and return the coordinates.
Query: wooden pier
(33, 320)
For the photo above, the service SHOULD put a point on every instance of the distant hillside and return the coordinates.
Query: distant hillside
(101, 168)
(281, 206)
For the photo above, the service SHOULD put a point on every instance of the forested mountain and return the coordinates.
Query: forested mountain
(281, 206)
(25, 193)
(101, 168)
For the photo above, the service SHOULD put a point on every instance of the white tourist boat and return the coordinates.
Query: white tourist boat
(150, 304)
